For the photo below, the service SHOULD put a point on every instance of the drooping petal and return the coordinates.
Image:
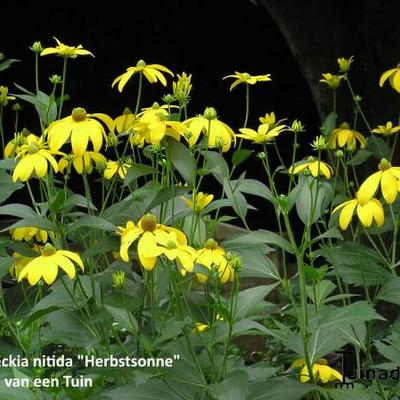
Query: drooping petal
(389, 187)
(386, 75)
(347, 214)
(365, 213)
(79, 139)
(369, 187)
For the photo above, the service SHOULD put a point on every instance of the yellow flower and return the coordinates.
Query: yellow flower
(366, 212)
(346, 137)
(171, 246)
(199, 327)
(125, 121)
(28, 233)
(20, 263)
(333, 81)
(344, 64)
(315, 167)
(219, 135)
(394, 78)
(112, 167)
(386, 130)
(33, 157)
(321, 371)
(87, 162)
(46, 265)
(213, 256)
(152, 72)
(387, 177)
(66, 51)
(199, 201)
(79, 128)
(244, 77)
(264, 134)
(270, 119)
(153, 125)
(4, 97)
(146, 231)
(20, 138)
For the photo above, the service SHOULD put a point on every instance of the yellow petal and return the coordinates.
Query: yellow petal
(386, 75)
(369, 187)
(347, 214)
(389, 186)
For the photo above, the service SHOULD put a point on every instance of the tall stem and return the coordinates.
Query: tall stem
(64, 76)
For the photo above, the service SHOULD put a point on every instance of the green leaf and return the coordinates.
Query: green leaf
(18, 210)
(124, 317)
(281, 388)
(240, 155)
(390, 291)
(58, 201)
(329, 124)
(103, 246)
(136, 171)
(249, 298)
(262, 236)
(94, 222)
(356, 264)
(236, 198)
(337, 316)
(153, 389)
(5, 264)
(7, 186)
(4, 64)
(320, 291)
(254, 187)
(183, 160)
(356, 392)
(217, 165)
(166, 194)
(314, 197)
(233, 387)
(378, 147)
(360, 157)
(79, 201)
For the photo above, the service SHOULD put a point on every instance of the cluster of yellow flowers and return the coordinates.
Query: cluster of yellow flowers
(47, 261)
(154, 239)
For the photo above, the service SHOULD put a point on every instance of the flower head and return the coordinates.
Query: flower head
(264, 134)
(219, 135)
(147, 231)
(79, 128)
(173, 248)
(212, 256)
(388, 178)
(386, 130)
(199, 201)
(333, 81)
(270, 119)
(85, 163)
(344, 64)
(314, 167)
(4, 97)
(152, 72)
(66, 51)
(367, 212)
(28, 233)
(321, 371)
(394, 78)
(33, 156)
(154, 124)
(244, 77)
(319, 143)
(346, 137)
(112, 167)
(46, 265)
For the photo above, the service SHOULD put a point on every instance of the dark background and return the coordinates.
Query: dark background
(293, 41)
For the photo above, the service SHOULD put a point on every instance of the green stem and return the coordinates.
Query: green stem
(246, 118)
(64, 76)
(139, 93)
(37, 72)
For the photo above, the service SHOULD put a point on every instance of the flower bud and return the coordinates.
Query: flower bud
(55, 79)
(344, 64)
(168, 98)
(297, 127)
(36, 47)
(118, 279)
(210, 113)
